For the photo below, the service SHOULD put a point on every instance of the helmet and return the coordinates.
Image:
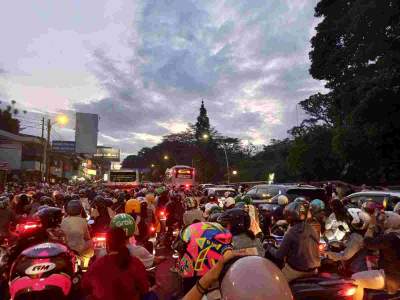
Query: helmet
(283, 200)
(359, 219)
(212, 199)
(317, 206)
(214, 217)
(370, 206)
(229, 202)
(389, 220)
(190, 203)
(237, 219)
(74, 208)
(254, 277)
(245, 199)
(49, 216)
(4, 201)
(150, 198)
(295, 212)
(126, 222)
(45, 200)
(100, 201)
(396, 208)
(208, 207)
(200, 246)
(132, 206)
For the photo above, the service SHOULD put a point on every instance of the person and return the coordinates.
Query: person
(317, 220)
(199, 247)
(234, 272)
(192, 214)
(76, 232)
(101, 214)
(383, 234)
(128, 224)
(282, 202)
(7, 217)
(299, 247)
(336, 225)
(355, 253)
(117, 275)
(237, 221)
(229, 203)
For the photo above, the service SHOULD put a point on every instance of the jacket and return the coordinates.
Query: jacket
(389, 260)
(243, 241)
(300, 248)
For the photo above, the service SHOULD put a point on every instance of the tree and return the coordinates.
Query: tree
(356, 51)
(8, 120)
(202, 126)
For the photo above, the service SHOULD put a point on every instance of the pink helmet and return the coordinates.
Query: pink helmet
(201, 245)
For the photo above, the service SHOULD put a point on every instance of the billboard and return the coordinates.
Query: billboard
(63, 146)
(107, 153)
(86, 128)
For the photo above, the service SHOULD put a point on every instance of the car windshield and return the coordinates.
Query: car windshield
(309, 194)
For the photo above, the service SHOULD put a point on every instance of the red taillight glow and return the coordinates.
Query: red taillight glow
(348, 292)
(30, 226)
(152, 229)
(162, 213)
(98, 238)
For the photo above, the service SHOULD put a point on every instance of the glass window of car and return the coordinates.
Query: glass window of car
(252, 192)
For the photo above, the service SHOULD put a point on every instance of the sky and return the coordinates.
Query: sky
(145, 65)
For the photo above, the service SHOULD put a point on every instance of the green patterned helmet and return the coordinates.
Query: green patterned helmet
(126, 222)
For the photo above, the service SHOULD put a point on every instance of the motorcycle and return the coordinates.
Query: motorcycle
(329, 286)
(44, 271)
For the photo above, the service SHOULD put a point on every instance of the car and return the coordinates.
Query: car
(219, 192)
(388, 199)
(268, 193)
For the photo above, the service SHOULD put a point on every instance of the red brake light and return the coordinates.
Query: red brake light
(348, 291)
(100, 237)
(152, 229)
(162, 213)
(28, 226)
(31, 226)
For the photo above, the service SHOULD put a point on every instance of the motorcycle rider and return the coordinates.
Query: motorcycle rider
(355, 252)
(237, 221)
(336, 225)
(77, 233)
(229, 203)
(7, 217)
(193, 214)
(117, 275)
(317, 209)
(128, 224)
(101, 213)
(300, 244)
(383, 234)
(233, 271)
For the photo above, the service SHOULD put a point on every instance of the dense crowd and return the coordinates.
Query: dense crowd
(208, 234)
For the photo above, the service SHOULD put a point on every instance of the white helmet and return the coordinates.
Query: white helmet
(360, 219)
(390, 221)
(283, 200)
(229, 202)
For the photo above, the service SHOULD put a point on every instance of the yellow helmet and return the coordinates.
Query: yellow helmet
(132, 205)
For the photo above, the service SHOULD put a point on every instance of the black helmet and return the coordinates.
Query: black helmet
(295, 212)
(46, 200)
(74, 208)
(214, 217)
(4, 202)
(49, 216)
(237, 218)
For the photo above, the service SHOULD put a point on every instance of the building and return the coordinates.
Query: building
(22, 154)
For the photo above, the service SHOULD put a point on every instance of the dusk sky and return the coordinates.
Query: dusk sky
(145, 65)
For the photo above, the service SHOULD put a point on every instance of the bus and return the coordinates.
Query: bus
(123, 178)
(180, 176)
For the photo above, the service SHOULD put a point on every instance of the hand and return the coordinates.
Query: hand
(213, 275)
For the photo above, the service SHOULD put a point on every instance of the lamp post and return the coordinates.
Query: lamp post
(60, 120)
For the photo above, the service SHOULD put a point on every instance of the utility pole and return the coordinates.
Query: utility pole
(46, 154)
(44, 151)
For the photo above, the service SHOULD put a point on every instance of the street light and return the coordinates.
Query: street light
(153, 165)
(166, 157)
(62, 120)
(205, 136)
(234, 172)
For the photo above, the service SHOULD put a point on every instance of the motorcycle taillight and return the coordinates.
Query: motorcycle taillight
(99, 240)
(28, 227)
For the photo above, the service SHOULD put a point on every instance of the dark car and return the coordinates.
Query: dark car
(268, 193)
(265, 198)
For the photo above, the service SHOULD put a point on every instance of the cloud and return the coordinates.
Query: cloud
(158, 59)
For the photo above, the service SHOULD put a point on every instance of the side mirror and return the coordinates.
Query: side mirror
(90, 222)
